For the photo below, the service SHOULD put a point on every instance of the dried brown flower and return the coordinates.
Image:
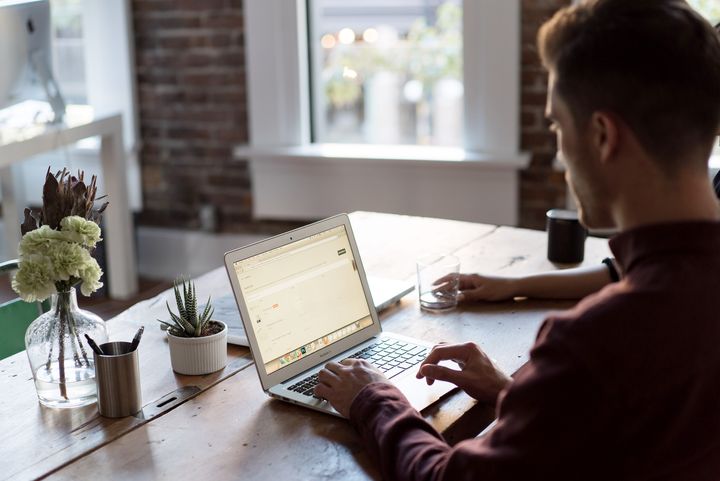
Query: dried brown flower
(64, 195)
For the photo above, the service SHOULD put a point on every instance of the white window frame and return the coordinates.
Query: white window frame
(296, 179)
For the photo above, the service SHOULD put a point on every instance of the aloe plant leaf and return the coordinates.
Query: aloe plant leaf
(208, 318)
(173, 316)
(192, 307)
(176, 319)
(204, 324)
(208, 307)
(170, 326)
(182, 323)
(179, 302)
(189, 310)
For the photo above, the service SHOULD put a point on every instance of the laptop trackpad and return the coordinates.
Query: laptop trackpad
(418, 392)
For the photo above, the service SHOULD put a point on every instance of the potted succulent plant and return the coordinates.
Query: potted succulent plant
(198, 344)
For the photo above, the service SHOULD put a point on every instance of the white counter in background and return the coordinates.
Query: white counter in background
(19, 142)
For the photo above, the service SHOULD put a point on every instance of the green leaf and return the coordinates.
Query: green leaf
(182, 323)
(177, 332)
(175, 318)
(191, 306)
(186, 293)
(208, 307)
(179, 302)
(170, 326)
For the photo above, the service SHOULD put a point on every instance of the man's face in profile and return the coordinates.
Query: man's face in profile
(577, 154)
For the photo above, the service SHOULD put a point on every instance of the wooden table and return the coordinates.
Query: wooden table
(222, 426)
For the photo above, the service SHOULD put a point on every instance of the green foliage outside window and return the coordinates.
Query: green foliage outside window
(428, 54)
(709, 9)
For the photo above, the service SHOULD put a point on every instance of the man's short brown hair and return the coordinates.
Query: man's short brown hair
(653, 63)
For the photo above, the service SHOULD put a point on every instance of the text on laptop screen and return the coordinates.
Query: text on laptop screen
(303, 296)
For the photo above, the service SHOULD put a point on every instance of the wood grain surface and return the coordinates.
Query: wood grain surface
(231, 429)
(35, 440)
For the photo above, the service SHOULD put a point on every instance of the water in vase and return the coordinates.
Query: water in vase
(80, 388)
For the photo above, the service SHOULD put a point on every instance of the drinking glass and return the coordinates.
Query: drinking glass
(438, 279)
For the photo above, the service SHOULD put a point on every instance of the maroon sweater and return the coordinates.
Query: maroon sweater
(625, 386)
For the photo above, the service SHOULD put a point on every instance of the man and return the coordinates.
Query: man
(626, 385)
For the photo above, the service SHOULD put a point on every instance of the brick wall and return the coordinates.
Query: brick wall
(191, 89)
(541, 187)
(191, 93)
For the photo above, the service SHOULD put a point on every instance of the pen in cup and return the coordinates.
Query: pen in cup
(94, 346)
(136, 339)
(117, 375)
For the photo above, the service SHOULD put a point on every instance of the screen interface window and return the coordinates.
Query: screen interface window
(303, 296)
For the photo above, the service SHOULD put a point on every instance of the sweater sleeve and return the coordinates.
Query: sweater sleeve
(546, 418)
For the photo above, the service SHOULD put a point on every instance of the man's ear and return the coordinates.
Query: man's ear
(604, 135)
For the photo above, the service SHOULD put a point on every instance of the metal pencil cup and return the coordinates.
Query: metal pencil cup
(117, 375)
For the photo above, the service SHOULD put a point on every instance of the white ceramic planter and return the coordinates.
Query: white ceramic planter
(198, 355)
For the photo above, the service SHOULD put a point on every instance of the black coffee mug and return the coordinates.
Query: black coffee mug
(566, 237)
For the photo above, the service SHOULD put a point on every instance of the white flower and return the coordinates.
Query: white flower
(50, 256)
(90, 275)
(87, 230)
(35, 280)
(38, 241)
(67, 259)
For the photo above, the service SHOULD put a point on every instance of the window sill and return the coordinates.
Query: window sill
(315, 181)
(395, 155)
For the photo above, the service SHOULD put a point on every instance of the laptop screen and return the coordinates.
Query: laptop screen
(303, 297)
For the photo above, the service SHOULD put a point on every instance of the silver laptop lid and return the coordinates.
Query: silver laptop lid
(303, 297)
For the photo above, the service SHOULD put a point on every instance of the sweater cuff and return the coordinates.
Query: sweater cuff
(368, 400)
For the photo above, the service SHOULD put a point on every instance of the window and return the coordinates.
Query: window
(68, 53)
(387, 72)
(298, 173)
(709, 9)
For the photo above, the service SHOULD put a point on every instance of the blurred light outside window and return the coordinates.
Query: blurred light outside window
(68, 53)
(387, 71)
(710, 9)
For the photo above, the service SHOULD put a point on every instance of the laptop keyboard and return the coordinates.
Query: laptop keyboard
(390, 356)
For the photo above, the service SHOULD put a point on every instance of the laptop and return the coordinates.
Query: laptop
(384, 292)
(304, 300)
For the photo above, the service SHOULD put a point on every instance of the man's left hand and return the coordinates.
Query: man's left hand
(341, 383)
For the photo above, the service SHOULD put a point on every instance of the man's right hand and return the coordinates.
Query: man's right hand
(477, 376)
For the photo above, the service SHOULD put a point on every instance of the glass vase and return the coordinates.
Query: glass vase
(60, 358)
